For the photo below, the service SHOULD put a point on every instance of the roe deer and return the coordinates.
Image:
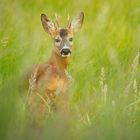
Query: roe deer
(48, 82)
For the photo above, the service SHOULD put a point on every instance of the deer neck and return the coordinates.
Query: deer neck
(59, 62)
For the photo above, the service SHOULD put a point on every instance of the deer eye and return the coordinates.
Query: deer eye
(71, 39)
(57, 40)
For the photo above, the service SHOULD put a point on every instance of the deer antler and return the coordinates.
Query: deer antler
(69, 21)
(57, 20)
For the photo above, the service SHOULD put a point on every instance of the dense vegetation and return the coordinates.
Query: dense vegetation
(105, 66)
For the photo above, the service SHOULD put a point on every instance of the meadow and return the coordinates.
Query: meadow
(105, 66)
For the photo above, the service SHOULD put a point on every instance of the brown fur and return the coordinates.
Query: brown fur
(48, 83)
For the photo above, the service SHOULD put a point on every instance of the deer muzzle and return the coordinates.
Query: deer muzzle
(65, 51)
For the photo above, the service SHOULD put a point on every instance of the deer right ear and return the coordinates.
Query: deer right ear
(76, 24)
(48, 25)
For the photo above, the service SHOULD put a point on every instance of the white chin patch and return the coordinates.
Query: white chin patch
(63, 55)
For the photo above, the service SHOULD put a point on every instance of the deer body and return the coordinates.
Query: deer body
(50, 80)
(52, 75)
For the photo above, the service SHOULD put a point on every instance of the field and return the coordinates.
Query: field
(105, 66)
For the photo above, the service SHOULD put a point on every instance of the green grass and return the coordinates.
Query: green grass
(105, 66)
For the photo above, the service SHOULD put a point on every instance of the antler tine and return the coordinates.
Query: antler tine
(57, 21)
(68, 17)
(69, 22)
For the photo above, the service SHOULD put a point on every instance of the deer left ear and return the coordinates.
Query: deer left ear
(48, 25)
(76, 24)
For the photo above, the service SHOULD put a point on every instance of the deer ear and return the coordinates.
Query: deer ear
(48, 25)
(76, 24)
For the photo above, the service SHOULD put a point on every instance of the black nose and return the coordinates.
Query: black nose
(65, 51)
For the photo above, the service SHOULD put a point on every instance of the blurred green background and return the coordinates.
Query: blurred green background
(105, 66)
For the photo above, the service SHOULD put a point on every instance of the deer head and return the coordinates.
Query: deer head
(62, 37)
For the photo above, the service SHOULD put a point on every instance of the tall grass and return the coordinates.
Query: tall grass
(105, 66)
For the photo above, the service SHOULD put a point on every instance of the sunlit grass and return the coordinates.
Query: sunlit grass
(105, 66)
